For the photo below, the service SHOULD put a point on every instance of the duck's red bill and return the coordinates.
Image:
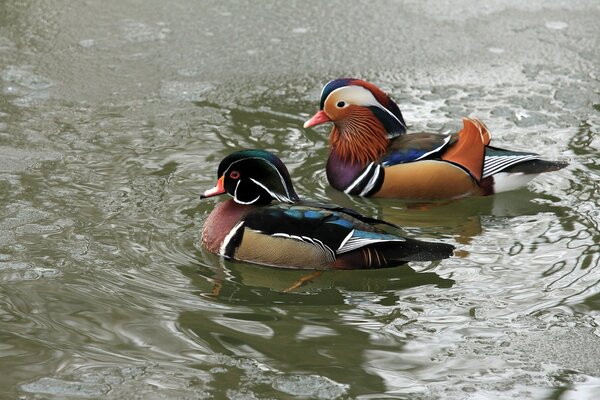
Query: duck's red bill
(217, 190)
(317, 119)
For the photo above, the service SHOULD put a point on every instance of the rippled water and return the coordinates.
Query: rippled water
(114, 117)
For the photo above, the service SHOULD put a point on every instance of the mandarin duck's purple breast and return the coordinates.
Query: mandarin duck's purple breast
(341, 173)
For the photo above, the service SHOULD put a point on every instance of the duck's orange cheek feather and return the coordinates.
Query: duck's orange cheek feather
(360, 138)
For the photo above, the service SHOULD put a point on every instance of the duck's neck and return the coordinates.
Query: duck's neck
(359, 140)
(354, 144)
(220, 222)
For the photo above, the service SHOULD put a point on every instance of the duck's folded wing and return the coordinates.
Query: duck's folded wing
(299, 236)
(349, 212)
(416, 146)
(335, 231)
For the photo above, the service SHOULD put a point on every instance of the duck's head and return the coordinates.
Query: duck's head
(253, 177)
(345, 100)
(364, 117)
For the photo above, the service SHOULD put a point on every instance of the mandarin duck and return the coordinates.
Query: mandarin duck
(267, 223)
(371, 154)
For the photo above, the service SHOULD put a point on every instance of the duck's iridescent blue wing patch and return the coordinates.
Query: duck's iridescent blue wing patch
(415, 147)
(332, 231)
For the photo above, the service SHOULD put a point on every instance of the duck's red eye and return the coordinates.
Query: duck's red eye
(234, 174)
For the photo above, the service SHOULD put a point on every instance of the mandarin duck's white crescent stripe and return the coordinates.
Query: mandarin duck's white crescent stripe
(372, 182)
(366, 181)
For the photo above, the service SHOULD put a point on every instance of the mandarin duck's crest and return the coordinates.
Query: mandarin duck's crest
(369, 96)
(365, 119)
(254, 177)
(339, 94)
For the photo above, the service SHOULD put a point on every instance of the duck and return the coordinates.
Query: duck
(372, 155)
(266, 222)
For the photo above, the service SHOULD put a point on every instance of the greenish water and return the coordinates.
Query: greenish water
(115, 115)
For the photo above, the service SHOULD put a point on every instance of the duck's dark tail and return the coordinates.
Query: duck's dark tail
(536, 167)
(391, 254)
(505, 170)
(510, 161)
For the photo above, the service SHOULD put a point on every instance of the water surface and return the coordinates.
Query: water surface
(115, 115)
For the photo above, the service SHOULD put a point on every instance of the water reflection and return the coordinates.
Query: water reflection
(243, 283)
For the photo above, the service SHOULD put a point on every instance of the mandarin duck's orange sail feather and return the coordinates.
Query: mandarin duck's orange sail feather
(469, 151)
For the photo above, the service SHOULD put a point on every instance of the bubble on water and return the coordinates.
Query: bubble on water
(521, 115)
(14, 266)
(17, 160)
(190, 71)
(87, 43)
(23, 82)
(496, 50)
(186, 91)
(557, 25)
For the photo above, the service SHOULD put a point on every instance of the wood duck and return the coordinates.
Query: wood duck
(371, 154)
(267, 223)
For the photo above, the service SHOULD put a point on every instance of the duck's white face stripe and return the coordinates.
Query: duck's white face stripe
(287, 193)
(276, 196)
(356, 95)
(240, 201)
(228, 237)
(361, 96)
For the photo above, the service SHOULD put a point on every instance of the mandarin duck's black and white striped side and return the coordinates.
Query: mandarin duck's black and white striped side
(371, 154)
(266, 223)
